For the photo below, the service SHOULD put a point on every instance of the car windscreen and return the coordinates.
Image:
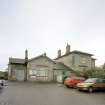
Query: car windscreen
(93, 80)
(68, 79)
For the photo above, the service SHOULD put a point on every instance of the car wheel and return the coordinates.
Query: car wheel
(75, 87)
(67, 86)
(78, 89)
(90, 89)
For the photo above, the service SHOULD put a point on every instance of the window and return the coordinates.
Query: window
(42, 72)
(38, 72)
(83, 60)
(33, 72)
(99, 80)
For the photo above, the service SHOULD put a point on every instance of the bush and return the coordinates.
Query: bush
(93, 73)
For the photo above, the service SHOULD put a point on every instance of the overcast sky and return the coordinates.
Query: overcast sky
(48, 25)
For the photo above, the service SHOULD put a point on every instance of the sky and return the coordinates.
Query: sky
(48, 25)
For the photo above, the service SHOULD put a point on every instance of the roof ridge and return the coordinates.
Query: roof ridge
(42, 55)
(74, 51)
(15, 58)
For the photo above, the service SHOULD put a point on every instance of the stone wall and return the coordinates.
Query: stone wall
(41, 62)
(77, 61)
(13, 68)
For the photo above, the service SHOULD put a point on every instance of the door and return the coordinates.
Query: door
(59, 78)
(20, 75)
(39, 74)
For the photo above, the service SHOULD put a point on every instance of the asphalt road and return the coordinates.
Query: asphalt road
(47, 94)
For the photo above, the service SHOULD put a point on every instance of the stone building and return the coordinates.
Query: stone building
(40, 68)
(76, 60)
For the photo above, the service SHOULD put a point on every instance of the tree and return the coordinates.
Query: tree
(93, 73)
(103, 66)
(3, 75)
(6, 75)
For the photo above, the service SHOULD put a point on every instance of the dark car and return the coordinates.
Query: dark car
(92, 84)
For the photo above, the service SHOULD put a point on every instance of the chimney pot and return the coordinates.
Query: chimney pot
(67, 49)
(59, 53)
(44, 54)
(26, 54)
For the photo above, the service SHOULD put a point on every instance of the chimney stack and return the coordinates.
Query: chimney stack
(59, 53)
(44, 54)
(26, 55)
(67, 49)
(26, 61)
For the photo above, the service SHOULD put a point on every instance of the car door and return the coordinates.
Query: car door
(103, 86)
(99, 84)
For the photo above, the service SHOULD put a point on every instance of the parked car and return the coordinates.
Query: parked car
(5, 82)
(92, 84)
(72, 82)
(1, 83)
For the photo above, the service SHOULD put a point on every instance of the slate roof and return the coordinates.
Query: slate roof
(76, 52)
(93, 58)
(22, 61)
(80, 52)
(16, 60)
(39, 57)
(61, 66)
(57, 65)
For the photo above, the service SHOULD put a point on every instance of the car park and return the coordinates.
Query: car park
(72, 82)
(92, 84)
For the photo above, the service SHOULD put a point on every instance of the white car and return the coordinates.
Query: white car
(3, 83)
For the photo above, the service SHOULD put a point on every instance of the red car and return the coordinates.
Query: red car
(72, 82)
